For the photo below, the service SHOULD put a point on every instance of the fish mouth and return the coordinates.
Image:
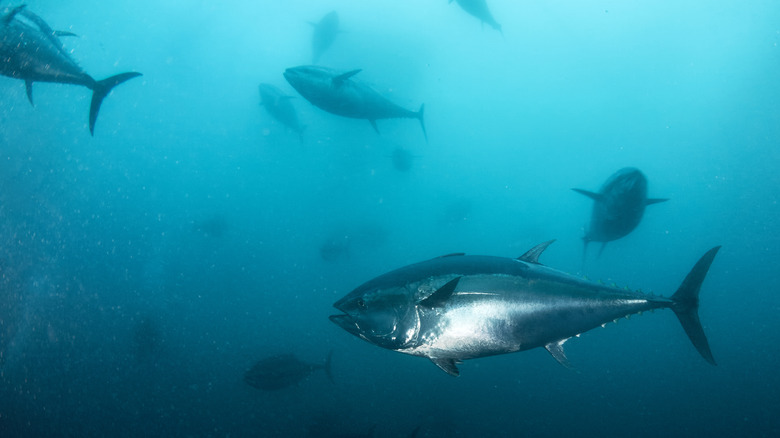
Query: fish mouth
(345, 322)
(291, 73)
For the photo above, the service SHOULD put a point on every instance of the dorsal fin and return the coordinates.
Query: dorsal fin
(44, 27)
(10, 15)
(453, 254)
(532, 255)
(338, 80)
(589, 194)
(441, 295)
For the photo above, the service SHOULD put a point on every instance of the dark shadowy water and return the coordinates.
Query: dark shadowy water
(144, 270)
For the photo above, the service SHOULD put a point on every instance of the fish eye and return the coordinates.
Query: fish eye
(360, 303)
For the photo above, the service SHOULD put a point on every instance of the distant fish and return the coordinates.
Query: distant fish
(279, 106)
(402, 159)
(619, 206)
(479, 9)
(335, 248)
(31, 50)
(456, 212)
(339, 94)
(325, 32)
(281, 371)
(147, 339)
(214, 226)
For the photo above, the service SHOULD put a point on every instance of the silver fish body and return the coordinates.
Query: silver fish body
(460, 307)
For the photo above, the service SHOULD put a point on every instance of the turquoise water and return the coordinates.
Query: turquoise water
(145, 269)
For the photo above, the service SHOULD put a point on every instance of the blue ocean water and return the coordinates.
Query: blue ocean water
(145, 269)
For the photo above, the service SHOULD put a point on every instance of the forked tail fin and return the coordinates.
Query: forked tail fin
(685, 304)
(422, 123)
(100, 90)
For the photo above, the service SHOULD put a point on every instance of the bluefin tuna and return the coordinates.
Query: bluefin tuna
(325, 32)
(279, 106)
(480, 10)
(459, 307)
(283, 370)
(31, 50)
(619, 206)
(338, 93)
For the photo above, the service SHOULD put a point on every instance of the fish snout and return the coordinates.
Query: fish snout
(345, 322)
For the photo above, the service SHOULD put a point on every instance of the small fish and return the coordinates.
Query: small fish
(402, 159)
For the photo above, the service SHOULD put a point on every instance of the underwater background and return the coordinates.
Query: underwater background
(145, 269)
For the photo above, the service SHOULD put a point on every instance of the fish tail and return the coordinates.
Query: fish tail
(685, 304)
(419, 115)
(327, 367)
(100, 90)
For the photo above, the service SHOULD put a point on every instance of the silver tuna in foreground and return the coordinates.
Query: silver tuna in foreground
(459, 307)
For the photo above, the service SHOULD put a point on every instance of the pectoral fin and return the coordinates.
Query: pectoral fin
(652, 201)
(338, 80)
(373, 123)
(589, 194)
(441, 295)
(447, 365)
(556, 350)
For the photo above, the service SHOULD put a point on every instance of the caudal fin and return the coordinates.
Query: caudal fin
(422, 123)
(685, 304)
(100, 90)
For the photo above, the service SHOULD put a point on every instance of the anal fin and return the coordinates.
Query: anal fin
(446, 365)
(373, 124)
(556, 350)
(28, 87)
